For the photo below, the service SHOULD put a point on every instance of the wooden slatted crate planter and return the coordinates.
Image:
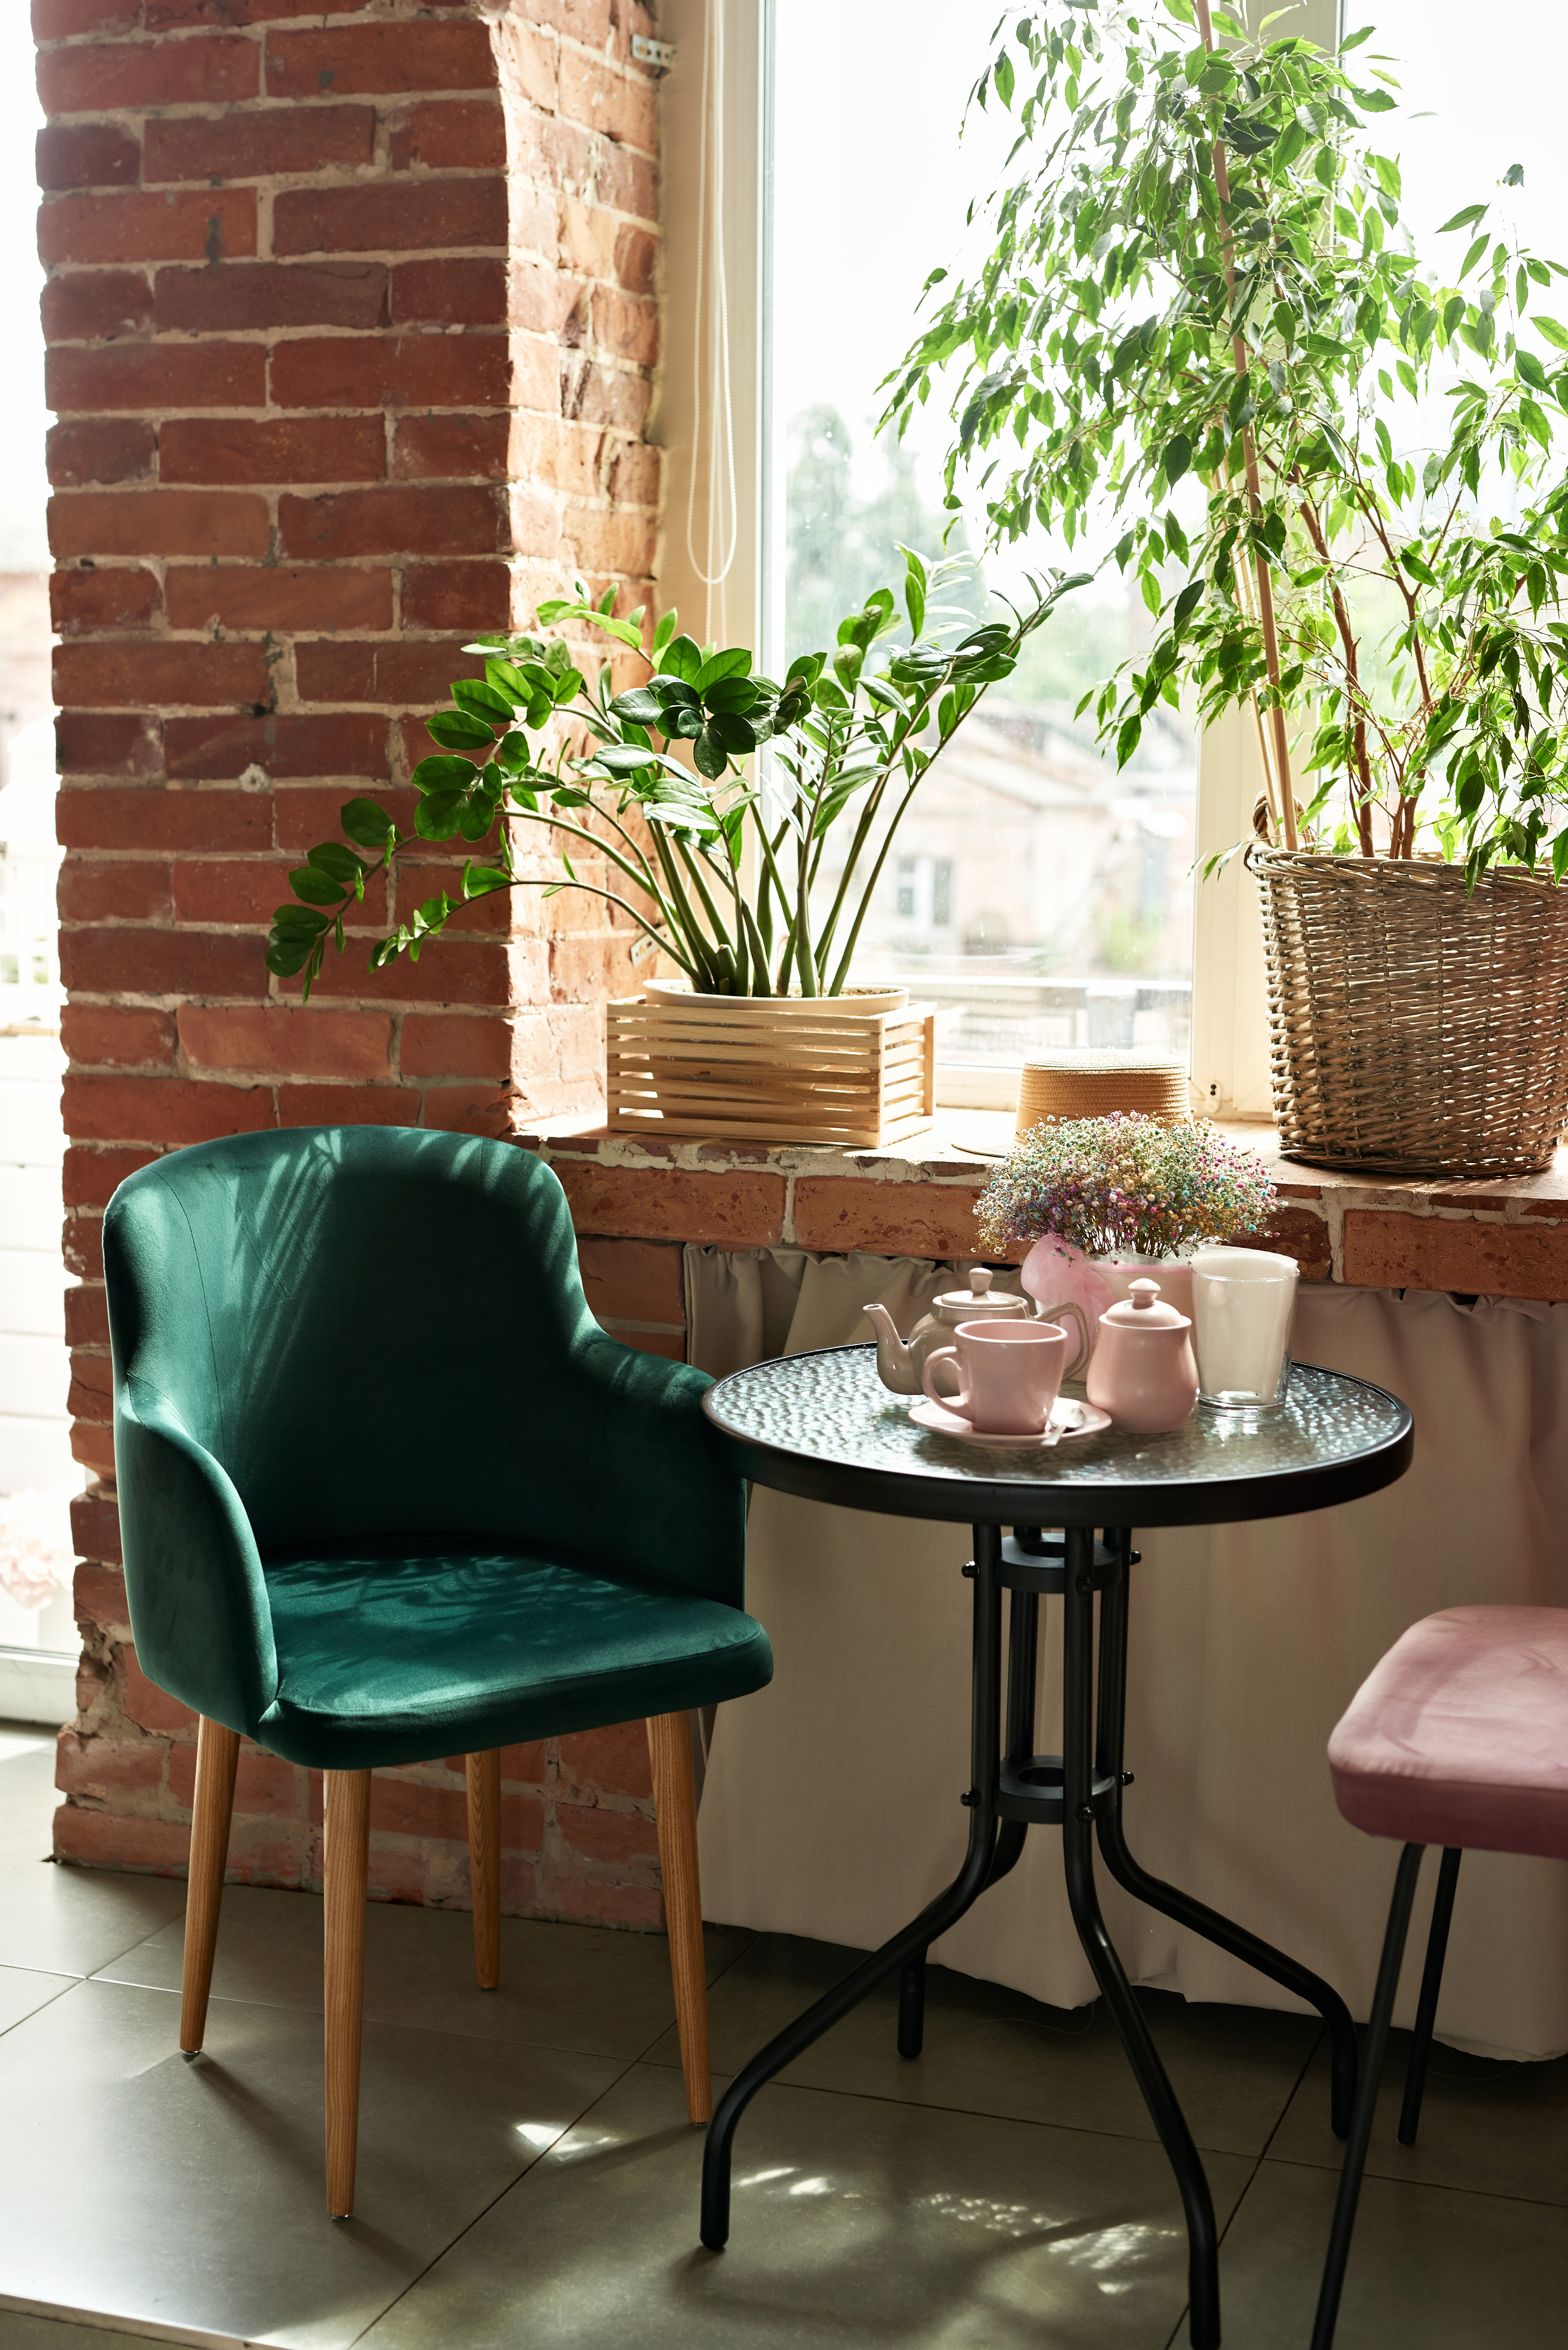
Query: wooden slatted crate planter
(769, 1072)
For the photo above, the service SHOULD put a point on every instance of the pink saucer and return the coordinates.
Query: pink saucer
(1067, 1419)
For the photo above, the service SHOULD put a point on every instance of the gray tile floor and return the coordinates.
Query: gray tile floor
(527, 2175)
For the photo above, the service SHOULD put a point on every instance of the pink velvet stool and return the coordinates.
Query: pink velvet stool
(1458, 1738)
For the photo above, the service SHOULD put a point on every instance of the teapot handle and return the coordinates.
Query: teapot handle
(1057, 1314)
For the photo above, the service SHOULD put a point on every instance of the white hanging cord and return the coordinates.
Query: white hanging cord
(711, 288)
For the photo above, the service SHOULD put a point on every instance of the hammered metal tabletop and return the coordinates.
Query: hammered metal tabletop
(823, 1426)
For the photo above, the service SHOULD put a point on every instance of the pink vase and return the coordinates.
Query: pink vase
(1055, 1273)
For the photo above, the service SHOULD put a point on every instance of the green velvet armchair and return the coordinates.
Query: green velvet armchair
(387, 1492)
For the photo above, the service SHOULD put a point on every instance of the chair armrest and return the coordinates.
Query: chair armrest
(199, 1604)
(651, 1490)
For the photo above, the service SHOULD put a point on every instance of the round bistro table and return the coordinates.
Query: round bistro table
(823, 1425)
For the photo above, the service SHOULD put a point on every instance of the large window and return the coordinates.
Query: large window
(1037, 895)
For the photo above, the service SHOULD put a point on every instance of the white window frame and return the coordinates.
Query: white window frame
(1229, 1044)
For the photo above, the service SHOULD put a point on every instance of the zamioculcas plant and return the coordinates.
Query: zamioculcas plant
(657, 780)
(1201, 275)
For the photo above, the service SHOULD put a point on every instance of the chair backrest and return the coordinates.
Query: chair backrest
(374, 1330)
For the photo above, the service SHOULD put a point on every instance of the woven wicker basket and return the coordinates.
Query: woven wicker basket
(1415, 1029)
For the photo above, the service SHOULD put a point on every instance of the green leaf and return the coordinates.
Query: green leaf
(316, 889)
(1001, 76)
(709, 755)
(1530, 368)
(667, 627)
(366, 821)
(735, 662)
(682, 659)
(490, 708)
(1555, 333)
(455, 729)
(1472, 214)
(300, 921)
(439, 814)
(1178, 457)
(339, 864)
(736, 734)
(733, 694)
(1128, 738)
(444, 775)
(638, 704)
(1474, 255)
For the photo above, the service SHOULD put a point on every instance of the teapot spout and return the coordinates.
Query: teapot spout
(896, 1366)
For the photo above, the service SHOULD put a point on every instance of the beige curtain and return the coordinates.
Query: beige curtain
(831, 1805)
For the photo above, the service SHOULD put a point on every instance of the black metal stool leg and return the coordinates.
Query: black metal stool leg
(1023, 1650)
(1078, 1855)
(907, 1947)
(1169, 1899)
(1431, 1985)
(1366, 2097)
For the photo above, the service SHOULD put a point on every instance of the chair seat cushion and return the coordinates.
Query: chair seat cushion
(394, 1651)
(1460, 1735)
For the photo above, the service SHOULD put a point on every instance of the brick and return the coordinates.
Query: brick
(932, 1219)
(124, 595)
(523, 1765)
(470, 1109)
(389, 1105)
(129, 74)
(86, 1316)
(157, 521)
(283, 745)
(265, 1787)
(126, 960)
(111, 675)
(88, 155)
(448, 134)
(381, 670)
(106, 1036)
(99, 1590)
(156, 377)
(636, 258)
(545, 299)
(607, 542)
(187, 225)
(1386, 1250)
(108, 1767)
(255, 294)
(628, 182)
(591, 394)
(92, 1446)
(391, 216)
(223, 891)
(458, 290)
(237, 448)
(624, 327)
(567, 1892)
(157, 819)
(594, 94)
(257, 145)
(634, 1281)
(1298, 1232)
(612, 1761)
(89, 743)
(95, 305)
(453, 1046)
(266, 596)
(314, 1042)
(528, 61)
(91, 1395)
(171, 1111)
(374, 59)
(452, 448)
(461, 521)
(57, 20)
(109, 1840)
(400, 1807)
(145, 1703)
(106, 889)
(600, 1834)
(390, 371)
(738, 1209)
(93, 1175)
(449, 597)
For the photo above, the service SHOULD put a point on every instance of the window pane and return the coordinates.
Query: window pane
(1037, 895)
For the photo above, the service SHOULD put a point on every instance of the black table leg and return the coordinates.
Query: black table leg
(1023, 1651)
(911, 1942)
(1079, 1804)
(1168, 1899)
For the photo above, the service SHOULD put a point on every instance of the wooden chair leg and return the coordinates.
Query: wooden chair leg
(217, 1757)
(346, 1868)
(485, 1863)
(675, 1797)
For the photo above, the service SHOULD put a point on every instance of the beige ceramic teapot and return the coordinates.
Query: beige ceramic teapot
(900, 1362)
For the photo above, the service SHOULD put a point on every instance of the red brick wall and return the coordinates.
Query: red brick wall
(351, 330)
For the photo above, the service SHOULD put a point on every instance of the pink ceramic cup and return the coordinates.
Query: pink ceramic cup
(1011, 1373)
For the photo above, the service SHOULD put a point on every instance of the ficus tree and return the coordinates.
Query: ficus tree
(1201, 295)
(660, 781)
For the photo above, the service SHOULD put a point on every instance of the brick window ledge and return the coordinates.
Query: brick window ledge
(1498, 1238)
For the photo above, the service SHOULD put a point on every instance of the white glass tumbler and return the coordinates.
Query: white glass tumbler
(1242, 1302)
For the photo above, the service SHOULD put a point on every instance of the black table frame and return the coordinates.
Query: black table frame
(1012, 1788)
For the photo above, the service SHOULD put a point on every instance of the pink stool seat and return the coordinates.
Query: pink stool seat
(1460, 1735)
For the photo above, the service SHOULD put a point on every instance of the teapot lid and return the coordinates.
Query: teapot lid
(1143, 1309)
(980, 1298)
